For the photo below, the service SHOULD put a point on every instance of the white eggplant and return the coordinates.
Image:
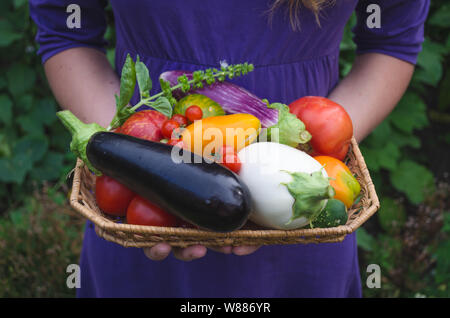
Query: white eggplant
(288, 187)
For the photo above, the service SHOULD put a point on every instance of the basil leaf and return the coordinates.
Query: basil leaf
(162, 105)
(127, 82)
(143, 79)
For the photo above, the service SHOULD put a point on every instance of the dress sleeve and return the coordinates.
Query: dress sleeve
(401, 30)
(53, 34)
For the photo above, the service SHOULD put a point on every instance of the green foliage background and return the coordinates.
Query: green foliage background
(407, 155)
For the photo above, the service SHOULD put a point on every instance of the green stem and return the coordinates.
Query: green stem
(81, 134)
(145, 101)
(71, 122)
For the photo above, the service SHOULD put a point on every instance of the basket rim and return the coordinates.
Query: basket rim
(342, 230)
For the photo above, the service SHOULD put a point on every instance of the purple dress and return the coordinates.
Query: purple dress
(196, 34)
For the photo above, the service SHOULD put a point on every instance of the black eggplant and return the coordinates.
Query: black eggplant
(205, 194)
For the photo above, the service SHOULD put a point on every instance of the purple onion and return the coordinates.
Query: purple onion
(233, 98)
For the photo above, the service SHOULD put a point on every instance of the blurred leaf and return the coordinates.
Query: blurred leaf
(23, 103)
(7, 34)
(49, 168)
(444, 93)
(441, 17)
(388, 156)
(32, 147)
(111, 56)
(379, 136)
(21, 78)
(5, 149)
(430, 63)
(347, 42)
(413, 179)
(402, 139)
(443, 263)
(14, 169)
(409, 114)
(3, 83)
(365, 240)
(380, 152)
(29, 125)
(5, 109)
(45, 111)
(370, 157)
(19, 3)
(392, 215)
(60, 137)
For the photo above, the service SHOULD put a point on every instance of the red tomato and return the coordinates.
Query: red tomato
(168, 127)
(228, 157)
(145, 124)
(329, 124)
(232, 162)
(180, 119)
(194, 113)
(142, 212)
(112, 197)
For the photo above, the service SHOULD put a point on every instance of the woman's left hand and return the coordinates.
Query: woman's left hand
(161, 250)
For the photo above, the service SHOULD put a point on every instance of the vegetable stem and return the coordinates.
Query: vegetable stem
(81, 133)
(70, 121)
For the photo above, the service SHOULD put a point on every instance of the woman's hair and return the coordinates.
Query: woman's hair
(294, 8)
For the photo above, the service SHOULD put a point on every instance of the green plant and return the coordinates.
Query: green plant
(406, 156)
(39, 235)
(38, 241)
(34, 145)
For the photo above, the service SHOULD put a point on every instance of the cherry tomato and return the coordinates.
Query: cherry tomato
(328, 123)
(194, 113)
(232, 162)
(142, 212)
(180, 119)
(112, 197)
(228, 157)
(168, 127)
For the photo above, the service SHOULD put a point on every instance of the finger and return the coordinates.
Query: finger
(222, 249)
(245, 250)
(189, 253)
(158, 252)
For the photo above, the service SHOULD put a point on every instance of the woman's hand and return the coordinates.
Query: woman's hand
(161, 250)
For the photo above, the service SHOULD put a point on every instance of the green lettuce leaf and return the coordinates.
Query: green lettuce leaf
(289, 130)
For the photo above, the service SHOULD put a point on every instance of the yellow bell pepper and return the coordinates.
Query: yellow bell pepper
(208, 135)
(342, 180)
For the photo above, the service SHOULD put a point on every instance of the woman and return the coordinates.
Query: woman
(293, 58)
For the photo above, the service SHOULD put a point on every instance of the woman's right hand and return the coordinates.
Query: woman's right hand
(161, 250)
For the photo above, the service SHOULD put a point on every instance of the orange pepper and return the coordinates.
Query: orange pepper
(208, 135)
(342, 180)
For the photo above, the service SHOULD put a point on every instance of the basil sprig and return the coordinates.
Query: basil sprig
(163, 101)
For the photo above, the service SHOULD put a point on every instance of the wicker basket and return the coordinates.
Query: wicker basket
(82, 199)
